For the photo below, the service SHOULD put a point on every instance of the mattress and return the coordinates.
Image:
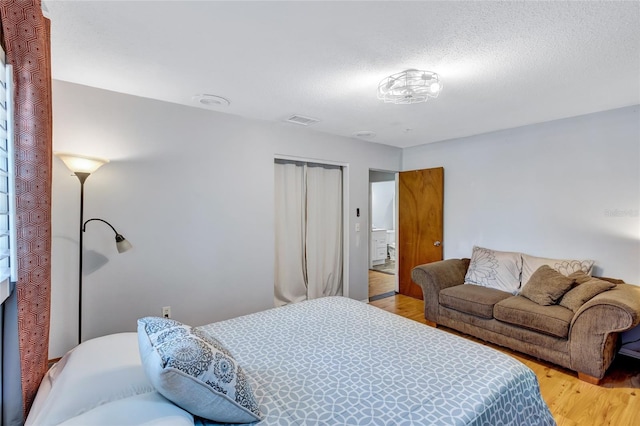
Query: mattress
(335, 361)
(330, 361)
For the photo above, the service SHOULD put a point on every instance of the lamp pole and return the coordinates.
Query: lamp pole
(82, 177)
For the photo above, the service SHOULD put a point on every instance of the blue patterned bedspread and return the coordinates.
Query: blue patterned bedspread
(337, 361)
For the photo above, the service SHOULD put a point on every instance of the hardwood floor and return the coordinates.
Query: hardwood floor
(381, 283)
(572, 402)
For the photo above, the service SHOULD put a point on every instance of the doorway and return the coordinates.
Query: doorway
(418, 223)
(383, 279)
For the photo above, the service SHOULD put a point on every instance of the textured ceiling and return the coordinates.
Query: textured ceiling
(503, 64)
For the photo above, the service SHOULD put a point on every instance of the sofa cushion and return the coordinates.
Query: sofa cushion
(546, 286)
(530, 264)
(583, 292)
(517, 310)
(495, 269)
(472, 299)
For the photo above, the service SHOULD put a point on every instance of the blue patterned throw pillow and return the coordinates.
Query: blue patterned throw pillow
(195, 371)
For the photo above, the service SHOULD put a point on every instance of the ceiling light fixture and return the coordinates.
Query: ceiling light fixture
(409, 87)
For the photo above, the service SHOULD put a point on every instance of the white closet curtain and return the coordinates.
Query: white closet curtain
(308, 252)
(290, 264)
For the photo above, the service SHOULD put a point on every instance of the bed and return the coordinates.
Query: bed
(329, 361)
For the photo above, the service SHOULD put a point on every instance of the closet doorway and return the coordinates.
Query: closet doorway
(309, 230)
(383, 278)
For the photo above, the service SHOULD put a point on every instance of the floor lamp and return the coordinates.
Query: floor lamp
(82, 167)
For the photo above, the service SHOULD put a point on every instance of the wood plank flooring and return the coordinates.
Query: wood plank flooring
(616, 402)
(381, 283)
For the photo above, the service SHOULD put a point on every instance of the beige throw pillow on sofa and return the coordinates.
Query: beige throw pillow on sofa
(579, 277)
(586, 289)
(546, 286)
(495, 269)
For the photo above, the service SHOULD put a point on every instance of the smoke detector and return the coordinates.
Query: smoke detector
(212, 100)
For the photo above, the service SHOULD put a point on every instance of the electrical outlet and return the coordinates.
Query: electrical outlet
(166, 311)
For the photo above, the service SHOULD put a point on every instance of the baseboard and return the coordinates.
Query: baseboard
(381, 296)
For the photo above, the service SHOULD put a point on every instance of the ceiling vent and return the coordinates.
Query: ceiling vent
(302, 120)
(365, 134)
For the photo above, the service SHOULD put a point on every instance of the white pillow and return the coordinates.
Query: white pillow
(530, 264)
(97, 372)
(195, 371)
(495, 269)
(148, 409)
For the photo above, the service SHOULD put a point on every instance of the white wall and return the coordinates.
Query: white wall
(193, 192)
(564, 189)
(383, 204)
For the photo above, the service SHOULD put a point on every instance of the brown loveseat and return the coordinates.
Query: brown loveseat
(585, 341)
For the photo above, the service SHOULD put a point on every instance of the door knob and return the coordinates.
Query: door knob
(437, 243)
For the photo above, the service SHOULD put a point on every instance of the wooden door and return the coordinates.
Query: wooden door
(420, 214)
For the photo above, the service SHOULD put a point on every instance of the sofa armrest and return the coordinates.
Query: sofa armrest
(433, 277)
(593, 336)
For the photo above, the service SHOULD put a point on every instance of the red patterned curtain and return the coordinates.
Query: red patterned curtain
(26, 39)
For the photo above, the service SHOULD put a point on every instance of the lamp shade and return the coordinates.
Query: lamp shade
(122, 244)
(81, 163)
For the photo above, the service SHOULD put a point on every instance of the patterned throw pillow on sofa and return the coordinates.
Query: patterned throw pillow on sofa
(495, 269)
(530, 264)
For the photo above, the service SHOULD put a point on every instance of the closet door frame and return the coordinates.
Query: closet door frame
(345, 210)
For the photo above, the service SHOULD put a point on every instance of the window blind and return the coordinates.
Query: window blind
(8, 253)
